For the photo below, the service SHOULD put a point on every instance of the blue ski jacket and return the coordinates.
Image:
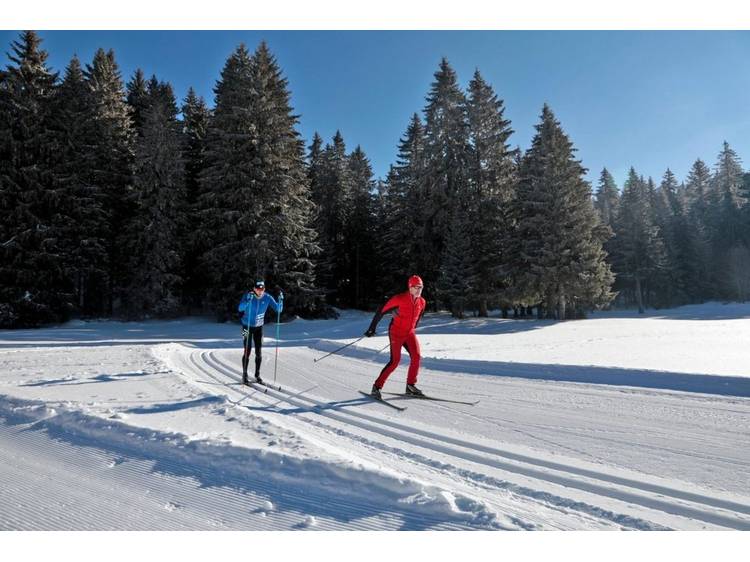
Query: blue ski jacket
(253, 309)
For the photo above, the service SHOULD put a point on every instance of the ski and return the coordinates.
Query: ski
(267, 385)
(262, 386)
(382, 401)
(434, 398)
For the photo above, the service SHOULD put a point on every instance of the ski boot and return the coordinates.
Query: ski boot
(412, 390)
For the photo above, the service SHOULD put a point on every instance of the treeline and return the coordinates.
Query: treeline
(118, 202)
(680, 242)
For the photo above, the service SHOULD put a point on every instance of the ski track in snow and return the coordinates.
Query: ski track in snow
(640, 492)
(160, 435)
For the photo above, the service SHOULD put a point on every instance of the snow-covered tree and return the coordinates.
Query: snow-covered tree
(195, 119)
(639, 253)
(110, 161)
(492, 175)
(447, 157)
(560, 234)
(152, 282)
(33, 288)
(255, 202)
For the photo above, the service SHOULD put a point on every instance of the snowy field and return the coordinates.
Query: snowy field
(618, 422)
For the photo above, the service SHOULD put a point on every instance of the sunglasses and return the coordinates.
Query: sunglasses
(260, 288)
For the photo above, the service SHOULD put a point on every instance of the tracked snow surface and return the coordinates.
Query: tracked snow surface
(618, 422)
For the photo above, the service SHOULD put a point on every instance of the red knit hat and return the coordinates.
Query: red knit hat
(415, 280)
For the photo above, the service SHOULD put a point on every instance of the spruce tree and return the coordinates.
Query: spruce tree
(152, 281)
(195, 119)
(607, 198)
(561, 235)
(82, 217)
(657, 288)
(229, 199)
(361, 230)
(33, 288)
(726, 224)
(492, 188)
(680, 244)
(255, 202)
(316, 175)
(402, 225)
(639, 249)
(110, 164)
(138, 99)
(288, 211)
(697, 193)
(458, 274)
(335, 203)
(447, 163)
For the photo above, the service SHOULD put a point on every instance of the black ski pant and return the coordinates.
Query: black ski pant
(254, 336)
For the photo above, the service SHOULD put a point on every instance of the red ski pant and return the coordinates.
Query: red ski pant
(411, 344)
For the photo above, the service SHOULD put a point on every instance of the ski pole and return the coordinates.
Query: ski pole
(278, 325)
(337, 350)
(247, 342)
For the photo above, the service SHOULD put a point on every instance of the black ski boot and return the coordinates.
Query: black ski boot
(412, 390)
(375, 393)
(258, 379)
(245, 380)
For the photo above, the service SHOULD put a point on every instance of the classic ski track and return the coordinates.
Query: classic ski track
(271, 490)
(501, 423)
(627, 490)
(552, 502)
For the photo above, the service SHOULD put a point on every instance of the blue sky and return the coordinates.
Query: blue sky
(648, 99)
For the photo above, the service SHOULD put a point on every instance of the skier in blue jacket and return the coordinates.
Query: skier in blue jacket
(253, 307)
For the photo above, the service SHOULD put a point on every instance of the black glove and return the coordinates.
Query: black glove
(369, 333)
(245, 332)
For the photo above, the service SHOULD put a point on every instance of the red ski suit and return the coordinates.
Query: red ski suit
(407, 311)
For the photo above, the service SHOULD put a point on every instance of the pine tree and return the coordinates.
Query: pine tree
(447, 163)
(697, 193)
(110, 164)
(33, 287)
(334, 199)
(659, 287)
(82, 217)
(196, 116)
(560, 236)
(639, 251)
(255, 206)
(152, 282)
(726, 224)
(607, 198)
(458, 274)
(289, 211)
(493, 178)
(316, 175)
(402, 225)
(360, 229)
(229, 199)
(680, 244)
(138, 98)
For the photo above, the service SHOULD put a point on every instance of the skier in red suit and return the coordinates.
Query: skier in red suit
(407, 308)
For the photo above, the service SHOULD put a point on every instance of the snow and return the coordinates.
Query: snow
(618, 422)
